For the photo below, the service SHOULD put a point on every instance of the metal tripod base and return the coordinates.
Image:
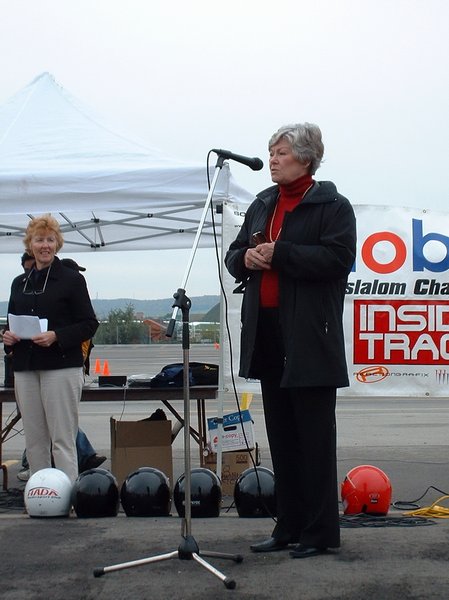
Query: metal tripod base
(188, 550)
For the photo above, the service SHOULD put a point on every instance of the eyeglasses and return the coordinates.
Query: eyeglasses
(31, 292)
(41, 239)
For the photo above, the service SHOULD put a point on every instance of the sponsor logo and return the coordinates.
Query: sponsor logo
(400, 250)
(42, 492)
(442, 376)
(380, 372)
(372, 374)
(408, 332)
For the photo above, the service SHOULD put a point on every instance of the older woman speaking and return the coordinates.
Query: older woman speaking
(293, 255)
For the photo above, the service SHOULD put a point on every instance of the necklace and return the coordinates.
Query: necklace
(274, 239)
(271, 223)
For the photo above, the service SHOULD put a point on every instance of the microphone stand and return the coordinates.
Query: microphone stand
(188, 548)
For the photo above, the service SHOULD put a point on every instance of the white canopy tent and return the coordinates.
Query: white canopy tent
(108, 192)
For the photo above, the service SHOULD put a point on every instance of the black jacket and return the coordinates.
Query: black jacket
(314, 255)
(67, 306)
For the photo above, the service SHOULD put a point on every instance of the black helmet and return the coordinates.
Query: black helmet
(205, 494)
(255, 494)
(146, 493)
(95, 494)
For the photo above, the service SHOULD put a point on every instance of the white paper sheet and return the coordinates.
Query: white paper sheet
(26, 326)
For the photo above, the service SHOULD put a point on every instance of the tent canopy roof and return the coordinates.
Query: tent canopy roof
(108, 191)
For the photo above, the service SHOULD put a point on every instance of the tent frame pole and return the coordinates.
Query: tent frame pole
(188, 548)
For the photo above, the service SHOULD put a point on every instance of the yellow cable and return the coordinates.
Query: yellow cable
(434, 511)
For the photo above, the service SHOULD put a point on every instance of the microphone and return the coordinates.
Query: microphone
(253, 163)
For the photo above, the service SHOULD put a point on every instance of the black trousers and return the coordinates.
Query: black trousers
(301, 431)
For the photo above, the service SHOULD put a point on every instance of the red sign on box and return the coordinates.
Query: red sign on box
(401, 332)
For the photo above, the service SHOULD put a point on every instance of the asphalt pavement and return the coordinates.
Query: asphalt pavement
(399, 557)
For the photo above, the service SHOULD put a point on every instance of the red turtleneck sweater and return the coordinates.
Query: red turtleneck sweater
(290, 196)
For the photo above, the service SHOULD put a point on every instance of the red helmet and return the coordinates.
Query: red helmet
(366, 489)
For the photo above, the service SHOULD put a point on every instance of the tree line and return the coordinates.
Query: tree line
(122, 327)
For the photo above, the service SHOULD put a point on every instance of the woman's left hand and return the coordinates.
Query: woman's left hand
(260, 257)
(266, 251)
(45, 339)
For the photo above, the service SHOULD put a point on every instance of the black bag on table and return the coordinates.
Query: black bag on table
(199, 374)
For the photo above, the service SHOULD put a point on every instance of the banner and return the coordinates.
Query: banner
(396, 315)
(397, 304)
(233, 215)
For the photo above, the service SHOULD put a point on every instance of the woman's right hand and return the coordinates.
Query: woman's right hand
(10, 338)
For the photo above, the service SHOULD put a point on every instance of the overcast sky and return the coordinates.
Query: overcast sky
(191, 76)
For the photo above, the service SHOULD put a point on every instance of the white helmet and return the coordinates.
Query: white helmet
(48, 493)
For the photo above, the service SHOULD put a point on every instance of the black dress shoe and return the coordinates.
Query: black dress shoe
(270, 545)
(92, 462)
(303, 551)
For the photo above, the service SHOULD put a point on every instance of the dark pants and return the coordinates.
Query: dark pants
(301, 433)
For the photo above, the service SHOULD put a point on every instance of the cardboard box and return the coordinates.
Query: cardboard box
(232, 436)
(232, 465)
(136, 444)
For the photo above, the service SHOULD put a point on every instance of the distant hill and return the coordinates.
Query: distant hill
(213, 316)
(150, 308)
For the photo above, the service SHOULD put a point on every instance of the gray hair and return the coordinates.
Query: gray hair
(305, 140)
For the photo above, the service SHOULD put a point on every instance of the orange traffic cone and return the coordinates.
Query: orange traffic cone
(106, 368)
(97, 366)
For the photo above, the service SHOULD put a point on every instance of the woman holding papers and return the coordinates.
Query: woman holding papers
(48, 366)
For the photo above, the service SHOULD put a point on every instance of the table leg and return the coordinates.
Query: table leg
(201, 410)
(3, 467)
(193, 432)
